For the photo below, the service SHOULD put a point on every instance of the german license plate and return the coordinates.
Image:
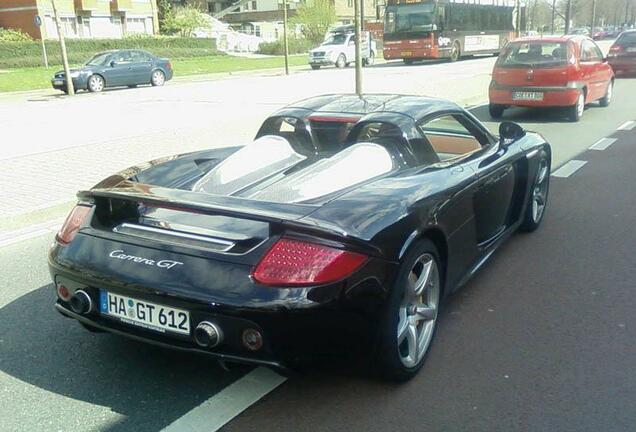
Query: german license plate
(406, 53)
(58, 82)
(144, 314)
(529, 96)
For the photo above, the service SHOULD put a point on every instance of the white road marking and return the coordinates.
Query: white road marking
(217, 411)
(627, 126)
(30, 232)
(568, 168)
(603, 143)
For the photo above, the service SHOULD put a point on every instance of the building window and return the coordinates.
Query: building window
(253, 4)
(137, 26)
(350, 3)
(69, 26)
(257, 31)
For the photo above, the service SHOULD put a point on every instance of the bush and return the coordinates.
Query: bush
(28, 54)
(12, 35)
(294, 45)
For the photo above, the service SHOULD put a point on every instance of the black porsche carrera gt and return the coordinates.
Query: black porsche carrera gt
(340, 227)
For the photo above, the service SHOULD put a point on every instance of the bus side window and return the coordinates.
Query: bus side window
(441, 18)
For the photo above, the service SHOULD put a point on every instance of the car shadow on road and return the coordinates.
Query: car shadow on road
(149, 386)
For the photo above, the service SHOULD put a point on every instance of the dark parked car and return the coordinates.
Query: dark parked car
(622, 54)
(340, 228)
(117, 68)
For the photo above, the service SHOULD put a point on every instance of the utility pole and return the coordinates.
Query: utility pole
(593, 15)
(518, 18)
(358, 25)
(568, 16)
(60, 35)
(285, 43)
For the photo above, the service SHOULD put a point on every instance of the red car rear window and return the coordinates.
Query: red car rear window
(534, 54)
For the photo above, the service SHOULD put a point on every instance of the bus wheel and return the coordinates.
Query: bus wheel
(455, 52)
(408, 61)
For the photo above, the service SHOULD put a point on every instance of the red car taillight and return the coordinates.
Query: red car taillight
(297, 263)
(72, 224)
(616, 48)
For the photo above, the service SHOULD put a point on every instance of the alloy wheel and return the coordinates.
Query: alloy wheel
(540, 191)
(418, 311)
(158, 78)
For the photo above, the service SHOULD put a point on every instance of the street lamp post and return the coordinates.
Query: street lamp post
(60, 34)
(358, 32)
(285, 42)
(593, 15)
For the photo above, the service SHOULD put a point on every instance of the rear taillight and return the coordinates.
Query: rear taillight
(616, 48)
(72, 224)
(297, 263)
(169, 66)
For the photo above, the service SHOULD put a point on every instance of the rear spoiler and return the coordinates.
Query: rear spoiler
(200, 202)
(290, 215)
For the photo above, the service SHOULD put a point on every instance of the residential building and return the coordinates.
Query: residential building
(81, 18)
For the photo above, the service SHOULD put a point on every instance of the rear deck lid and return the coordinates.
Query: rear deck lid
(533, 63)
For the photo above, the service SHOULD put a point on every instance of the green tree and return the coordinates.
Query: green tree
(315, 17)
(182, 21)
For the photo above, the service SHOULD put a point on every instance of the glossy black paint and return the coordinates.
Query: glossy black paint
(467, 208)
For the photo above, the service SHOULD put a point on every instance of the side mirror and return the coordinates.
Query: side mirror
(113, 63)
(509, 132)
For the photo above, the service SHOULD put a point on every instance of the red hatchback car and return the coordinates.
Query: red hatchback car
(568, 71)
(622, 54)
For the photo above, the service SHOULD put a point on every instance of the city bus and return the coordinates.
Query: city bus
(447, 29)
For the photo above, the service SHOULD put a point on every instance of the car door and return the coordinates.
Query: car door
(592, 65)
(141, 67)
(119, 70)
(459, 141)
(350, 48)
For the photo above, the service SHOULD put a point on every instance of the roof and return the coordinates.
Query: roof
(551, 38)
(412, 106)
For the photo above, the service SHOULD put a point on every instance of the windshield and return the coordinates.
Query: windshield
(409, 18)
(335, 39)
(627, 39)
(98, 59)
(534, 54)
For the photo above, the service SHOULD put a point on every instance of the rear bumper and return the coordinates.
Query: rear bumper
(552, 96)
(340, 320)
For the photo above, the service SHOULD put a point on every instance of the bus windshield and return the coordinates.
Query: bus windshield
(410, 18)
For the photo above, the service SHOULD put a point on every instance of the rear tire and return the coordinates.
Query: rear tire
(455, 52)
(496, 111)
(575, 112)
(609, 93)
(408, 325)
(535, 208)
(158, 78)
(315, 67)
